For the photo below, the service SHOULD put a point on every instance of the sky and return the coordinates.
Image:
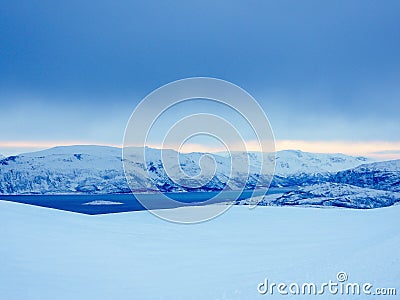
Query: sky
(326, 73)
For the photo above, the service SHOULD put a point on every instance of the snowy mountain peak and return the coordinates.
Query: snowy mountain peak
(93, 150)
(294, 162)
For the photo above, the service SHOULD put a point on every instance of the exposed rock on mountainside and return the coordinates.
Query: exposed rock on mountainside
(379, 175)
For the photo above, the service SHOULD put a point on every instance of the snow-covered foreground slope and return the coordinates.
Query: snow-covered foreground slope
(47, 254)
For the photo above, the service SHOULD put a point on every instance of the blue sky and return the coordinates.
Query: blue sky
(325, 72)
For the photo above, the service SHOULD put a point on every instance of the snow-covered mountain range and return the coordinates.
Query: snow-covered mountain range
(369, 185)
(99, 169)
(295, 168)
(295, 162)
(324, 179)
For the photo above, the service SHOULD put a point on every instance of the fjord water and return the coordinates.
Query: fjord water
(128, 202)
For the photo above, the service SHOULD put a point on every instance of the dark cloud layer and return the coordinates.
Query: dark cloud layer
(331, 69)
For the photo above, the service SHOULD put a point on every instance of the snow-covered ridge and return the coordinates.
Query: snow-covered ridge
(342, 195)
(330, 194)
(66, 169)
(379, 175)
(388, 166)
(94, 150)
(293, 162)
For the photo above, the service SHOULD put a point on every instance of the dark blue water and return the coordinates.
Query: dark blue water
(76, 203)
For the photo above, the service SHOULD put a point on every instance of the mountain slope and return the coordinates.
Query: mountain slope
(295, 167)
(329, 194)
(295, 162)
(379, 175)
(342, 195)
(83, 169)
(99, 169)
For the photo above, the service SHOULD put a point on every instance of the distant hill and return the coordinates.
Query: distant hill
(379, 175)
(333, 194)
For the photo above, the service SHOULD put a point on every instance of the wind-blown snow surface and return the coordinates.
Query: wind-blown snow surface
(47, 254)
